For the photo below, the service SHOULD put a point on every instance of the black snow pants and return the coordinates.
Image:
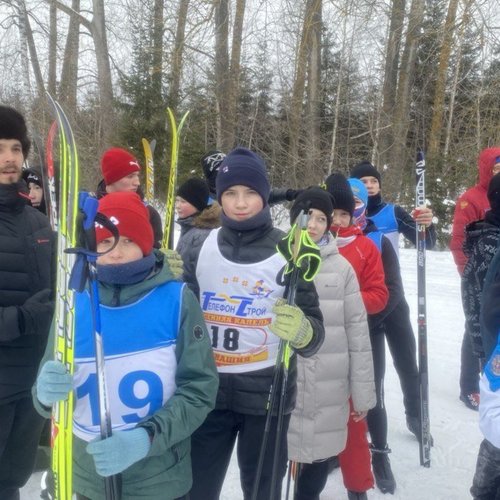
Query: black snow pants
(486, 482)
(470, 367)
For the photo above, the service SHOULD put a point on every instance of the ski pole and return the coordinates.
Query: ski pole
(423, 375)
(297, 249)
(86, 270)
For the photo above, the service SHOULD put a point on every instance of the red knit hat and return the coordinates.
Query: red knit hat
(131, 217)
(117, 163)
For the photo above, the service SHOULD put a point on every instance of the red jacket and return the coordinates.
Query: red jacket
(364, 257)
(472, 205)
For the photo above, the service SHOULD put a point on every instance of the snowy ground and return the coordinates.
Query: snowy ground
(453, 426)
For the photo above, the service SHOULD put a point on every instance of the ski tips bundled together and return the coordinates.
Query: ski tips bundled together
(13, 126)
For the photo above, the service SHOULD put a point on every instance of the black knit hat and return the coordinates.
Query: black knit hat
(13, 126)
(313, 197)
(366, 169)
(494, 193)
(34, 175)
(246, 168)
(336, 184)
(195, 191)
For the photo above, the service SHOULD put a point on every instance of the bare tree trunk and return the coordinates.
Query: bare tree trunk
(385, 137)
(176, 70)
(313, 151)
(158, 26)
(234, 75)
(299, 83)
(51, 82)
(333, 146)
(222, 70)
(440, 90)
(25, 70)
(40, 85)
(69, 72)
(406, 76)
(449, 125)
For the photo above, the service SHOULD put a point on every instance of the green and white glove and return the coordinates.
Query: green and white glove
(291, 325)
(174, 261)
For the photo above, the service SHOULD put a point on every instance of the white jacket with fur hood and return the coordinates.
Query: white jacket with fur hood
(342, 367)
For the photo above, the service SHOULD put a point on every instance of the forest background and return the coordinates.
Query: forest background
(314, 86)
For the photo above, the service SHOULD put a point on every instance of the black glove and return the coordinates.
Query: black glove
(35, 315)
(291, 194)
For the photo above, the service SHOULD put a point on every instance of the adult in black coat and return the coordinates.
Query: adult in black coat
(480, 247)
(26, 306)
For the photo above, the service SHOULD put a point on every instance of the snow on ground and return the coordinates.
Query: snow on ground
(453, 426)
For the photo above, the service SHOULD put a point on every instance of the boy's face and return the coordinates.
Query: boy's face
(316, 224)
(496, 169)
(35, 194)
(130, 182)
(184, 208)
(372, 185)
(241, 203)
(125, 251)
(341, 218)
(11, 160)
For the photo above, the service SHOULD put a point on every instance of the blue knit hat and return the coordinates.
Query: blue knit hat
(246, 168)
(358, 189)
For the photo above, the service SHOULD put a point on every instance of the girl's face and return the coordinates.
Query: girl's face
(241, 202)
(125, 251)
(35, 194)
(184, 208)
(341, 218)
(316, 224)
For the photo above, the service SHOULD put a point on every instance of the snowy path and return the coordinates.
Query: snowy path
(454, 427)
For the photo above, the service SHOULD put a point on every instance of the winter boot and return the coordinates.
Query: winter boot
(470, 400)
(382, 469)
(47, 486)
(356, 495)
(413, 424)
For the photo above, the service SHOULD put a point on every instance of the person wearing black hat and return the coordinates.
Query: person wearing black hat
(363, 254)
(236, 275)
(33, 178)
(391, 220)
(196, 217)
(342, 369)
(27, 276)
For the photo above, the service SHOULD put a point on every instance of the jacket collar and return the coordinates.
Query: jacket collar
(13, 197)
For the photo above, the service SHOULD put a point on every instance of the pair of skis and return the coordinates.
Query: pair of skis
(149, 147)
(62, 416)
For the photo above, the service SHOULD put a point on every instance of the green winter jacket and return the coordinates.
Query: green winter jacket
(165, 473)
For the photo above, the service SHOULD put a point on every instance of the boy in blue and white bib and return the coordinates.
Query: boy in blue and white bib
(236, 275)
(160, 374)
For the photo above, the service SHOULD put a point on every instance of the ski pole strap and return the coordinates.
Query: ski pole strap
(300, 252)
(84, 255)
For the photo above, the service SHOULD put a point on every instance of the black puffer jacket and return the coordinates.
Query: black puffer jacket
(248, 392)
(481, 243)
(27, 249)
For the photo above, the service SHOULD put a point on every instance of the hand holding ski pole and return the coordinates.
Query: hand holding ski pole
(291, 325)
(53, 383)
(118, 452)
(422, 216)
